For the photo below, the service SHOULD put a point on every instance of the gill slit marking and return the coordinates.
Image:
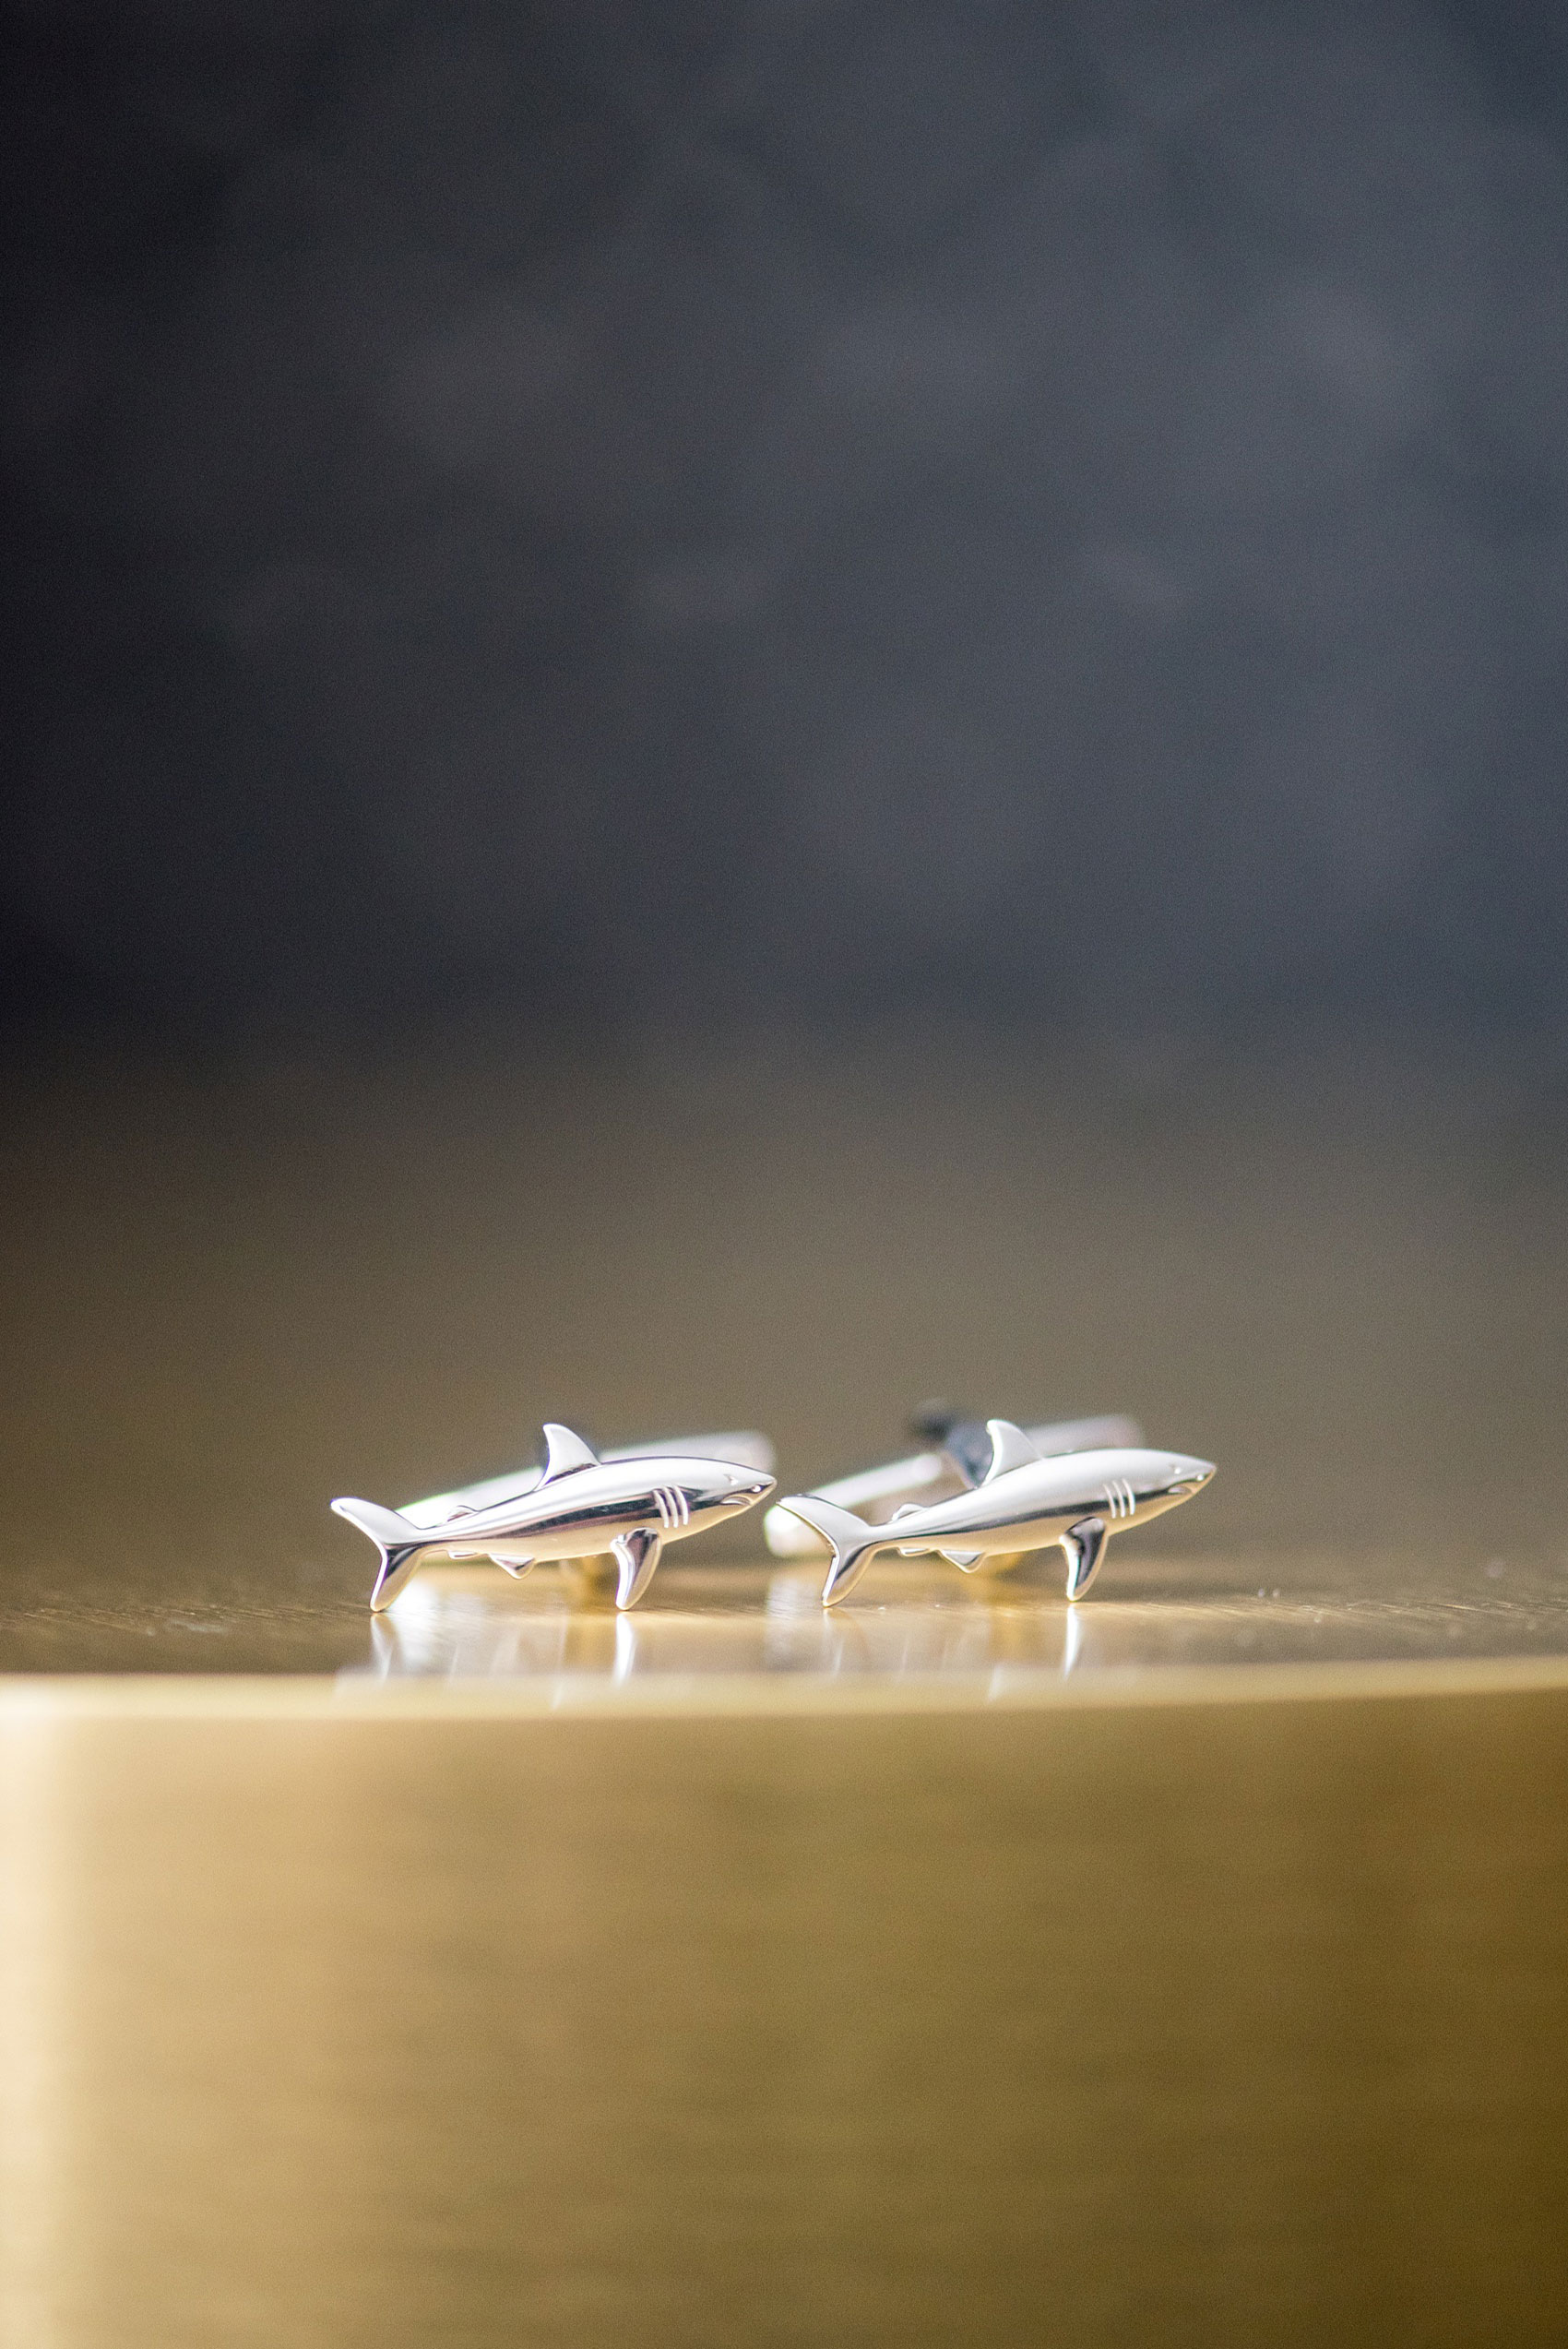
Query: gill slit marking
(674, 1509)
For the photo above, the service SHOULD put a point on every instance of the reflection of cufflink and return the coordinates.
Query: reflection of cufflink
(957, 1460)
(745, 1446)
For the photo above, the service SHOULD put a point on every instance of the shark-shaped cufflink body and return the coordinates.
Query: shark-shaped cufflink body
(958, 1454)
(1024, 1502)
(578, 1506)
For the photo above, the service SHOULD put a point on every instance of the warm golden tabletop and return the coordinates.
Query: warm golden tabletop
(1191, 1965)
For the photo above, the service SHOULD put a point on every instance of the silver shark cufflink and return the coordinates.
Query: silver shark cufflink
(577, 1506)
(1025, 1501)
(958, 1455)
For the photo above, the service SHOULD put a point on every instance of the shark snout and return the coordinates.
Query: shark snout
(746, 1490)
(1190, 1476)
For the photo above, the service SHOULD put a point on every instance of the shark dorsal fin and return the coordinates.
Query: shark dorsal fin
(906, 1508)
(1010, 1448)
(564, 1452)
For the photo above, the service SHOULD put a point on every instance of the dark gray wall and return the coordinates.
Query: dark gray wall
(683, 512)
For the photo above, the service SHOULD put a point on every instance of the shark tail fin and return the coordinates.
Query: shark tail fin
(852, 1540)
(396, 1537)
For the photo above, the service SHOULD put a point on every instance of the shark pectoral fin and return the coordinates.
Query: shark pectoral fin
(636, 1555)
(1084, 1546)
(968, 1560)
(515, 1566)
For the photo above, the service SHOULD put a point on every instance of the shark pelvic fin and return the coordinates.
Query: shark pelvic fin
(565, 1451)
(968, 1560)
(909, 1549)
(636, 1555)
(399, 1542)
(1010, 1448)
(1083, 1546)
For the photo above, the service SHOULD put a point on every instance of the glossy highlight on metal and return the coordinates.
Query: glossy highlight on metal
(577, 1506)
(959, 1457)
(1025, 1502)
(746, 1446)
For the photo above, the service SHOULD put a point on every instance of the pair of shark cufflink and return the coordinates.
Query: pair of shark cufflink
(987, 1495)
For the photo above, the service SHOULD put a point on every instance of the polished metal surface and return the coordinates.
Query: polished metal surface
(405, 2016)
(746, 1446)
(1158, 1612)
(580, 1507)
(1024, 1502)
(919, 1633)
(960, 1461)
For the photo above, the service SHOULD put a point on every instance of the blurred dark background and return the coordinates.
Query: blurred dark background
(702, 514)
(730, 714)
